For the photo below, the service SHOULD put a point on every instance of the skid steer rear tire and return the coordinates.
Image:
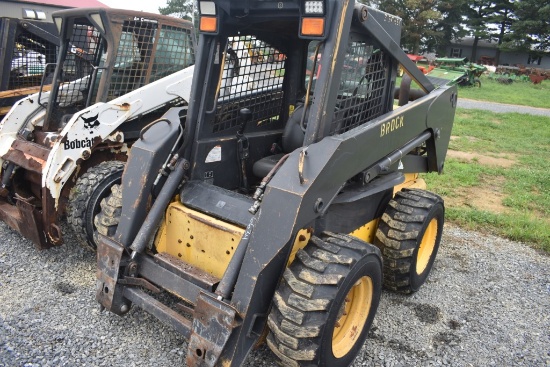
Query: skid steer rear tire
(85, 198)
(408, 235)
(325, 303)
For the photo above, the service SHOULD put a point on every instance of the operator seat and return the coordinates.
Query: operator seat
(292, 139)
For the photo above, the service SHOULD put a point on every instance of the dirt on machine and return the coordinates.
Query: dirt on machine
(62, 148)
(293, 195)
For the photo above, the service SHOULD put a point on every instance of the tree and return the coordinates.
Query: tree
(531, 30)
(180, 8)
(419, 18)
(478, 16)
(449, 27)
(503, 18)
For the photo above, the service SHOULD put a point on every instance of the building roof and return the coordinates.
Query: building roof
(469, 41)
(68, 3)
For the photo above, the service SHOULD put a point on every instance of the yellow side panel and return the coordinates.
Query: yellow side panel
(302, 238)
(411, 181)
(198, 239)
(367, 231)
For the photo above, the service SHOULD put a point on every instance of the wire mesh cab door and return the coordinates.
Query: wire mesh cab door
(111, 53)
(365, 88)
(145, 50)
(82, 57)
(27, 47)
(252, 72)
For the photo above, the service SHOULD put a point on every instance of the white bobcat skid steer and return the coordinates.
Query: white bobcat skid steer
(62, 150)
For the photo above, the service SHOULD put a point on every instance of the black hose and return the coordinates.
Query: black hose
(229, 279)
(156, 213)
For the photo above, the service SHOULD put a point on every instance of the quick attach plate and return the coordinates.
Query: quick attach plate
(213, 323)
(109, 256)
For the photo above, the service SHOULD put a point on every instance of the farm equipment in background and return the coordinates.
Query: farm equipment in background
(536, 79)
(509, 74)
(61, 150)
(421, 62)
(27, 46)
(487, 60)
(290, 199)
(459, 71)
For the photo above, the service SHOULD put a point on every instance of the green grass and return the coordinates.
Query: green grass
(523, 188)
(519, 93)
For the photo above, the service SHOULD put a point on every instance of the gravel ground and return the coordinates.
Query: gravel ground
(501, 107)
(486, 303)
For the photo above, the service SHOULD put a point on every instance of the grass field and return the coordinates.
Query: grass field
(497, 175)
(519, 92)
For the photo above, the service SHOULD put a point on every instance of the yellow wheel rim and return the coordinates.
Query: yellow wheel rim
(352, 317)
(427, 246)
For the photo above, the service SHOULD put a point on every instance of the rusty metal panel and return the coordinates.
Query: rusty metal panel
(109, 254)
(186, 271)
(27, 155)
(45, 139)
(160, 311)
(213, 324)
(183, 280)
(25, 219)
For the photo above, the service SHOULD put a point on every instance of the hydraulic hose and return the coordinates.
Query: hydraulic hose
(157, 210)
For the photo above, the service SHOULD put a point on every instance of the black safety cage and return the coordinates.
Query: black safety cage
(27, 47)
(101, 62)
(252, 78)
(363, 87)
(270, 76)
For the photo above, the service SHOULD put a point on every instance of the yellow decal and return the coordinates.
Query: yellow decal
(391, 126)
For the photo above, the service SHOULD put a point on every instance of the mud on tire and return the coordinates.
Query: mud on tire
(408, 235)
(106, 221)
(326, 302)
(85, 198)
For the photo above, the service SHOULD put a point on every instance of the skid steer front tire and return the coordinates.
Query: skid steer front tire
(85, 198)
(408, 235)
(106, 221)
(326, 302)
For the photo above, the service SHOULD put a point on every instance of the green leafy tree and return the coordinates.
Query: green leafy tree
(419, 20)
(449, 27)
(503, 17)
(478, 16)
(531, 30)
(179, 8)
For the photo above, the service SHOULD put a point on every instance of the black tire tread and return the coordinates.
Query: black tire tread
(80, 195)
(107, 220)
(307, 290)
(397, 234)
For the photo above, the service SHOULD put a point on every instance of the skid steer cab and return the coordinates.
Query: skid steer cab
(62, 148)
(27, 46)
(294, 194)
